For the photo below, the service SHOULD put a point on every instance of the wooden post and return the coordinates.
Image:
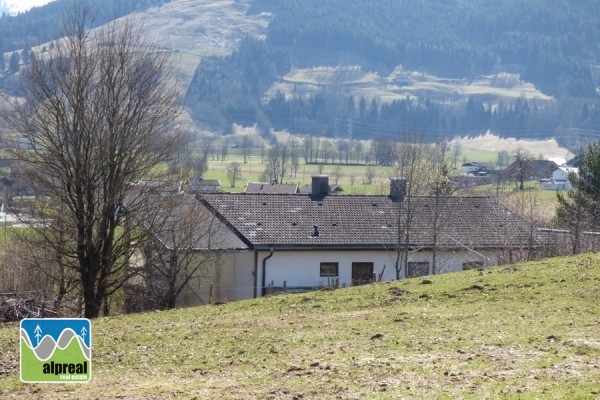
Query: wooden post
(210, 293)
(284, 286)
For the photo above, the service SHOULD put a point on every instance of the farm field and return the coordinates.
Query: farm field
(482, 148)
(352, 178)
(522, 331)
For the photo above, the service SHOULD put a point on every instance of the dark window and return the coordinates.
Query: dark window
(329, 269)
(467, 265)
(418, 268)
(362, 273)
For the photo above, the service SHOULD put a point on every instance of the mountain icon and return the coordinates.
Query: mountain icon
(47, 345)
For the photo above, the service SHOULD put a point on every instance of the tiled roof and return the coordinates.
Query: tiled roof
(264, 187)
(288, 221)
(537, 168)
(307, 189)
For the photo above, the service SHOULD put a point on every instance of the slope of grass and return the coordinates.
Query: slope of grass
(522, 331)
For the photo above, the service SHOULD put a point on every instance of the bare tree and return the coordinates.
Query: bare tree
(278, 162)
(234, 172)
(412, 166)
(284, 157)
(224, 149)
(441, 187)
(523, 166)
(101, 113)
(246, 147)
(294, 157)
(369, 175)
(307, 149)
(532, 212)
(180, 246)
(336, 173)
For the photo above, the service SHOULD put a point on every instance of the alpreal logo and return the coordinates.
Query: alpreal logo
(57, 350)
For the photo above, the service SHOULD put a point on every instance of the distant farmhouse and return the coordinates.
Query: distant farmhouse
(531, 169)
(477, 168)
(273, 242)
(559, 180)
(200, 185)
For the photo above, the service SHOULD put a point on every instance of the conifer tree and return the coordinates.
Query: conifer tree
(579, 209)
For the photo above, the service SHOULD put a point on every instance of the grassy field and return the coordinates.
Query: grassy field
(524, 331)
(350, 177)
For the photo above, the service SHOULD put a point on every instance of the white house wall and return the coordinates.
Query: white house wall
(232, 275)
(198, 289)
(302, 268)
(242, 283)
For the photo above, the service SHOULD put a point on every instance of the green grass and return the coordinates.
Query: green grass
(477, 155)
(253, 169)
(524, 331)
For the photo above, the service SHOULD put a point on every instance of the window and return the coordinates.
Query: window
(362, 273)
(467, 265)
(418, 268)
(329, 269)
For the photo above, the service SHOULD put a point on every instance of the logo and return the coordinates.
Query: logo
(56, 350)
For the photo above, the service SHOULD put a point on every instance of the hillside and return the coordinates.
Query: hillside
(522, 331)
(366, 69)
(360, 69)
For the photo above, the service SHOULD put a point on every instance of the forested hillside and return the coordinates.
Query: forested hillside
(41, 24)
(359, 69)
(550, 44)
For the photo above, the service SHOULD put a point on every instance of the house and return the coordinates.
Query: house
(301, 242)
(575, 162)
(530, 169)
(271, 188)
(559, 179)
(477, 168)
(200, 185)
(194, 250)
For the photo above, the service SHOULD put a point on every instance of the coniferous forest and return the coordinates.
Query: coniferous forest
(550, 44)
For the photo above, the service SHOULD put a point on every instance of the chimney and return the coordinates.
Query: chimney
(398, 189)
(320, 185)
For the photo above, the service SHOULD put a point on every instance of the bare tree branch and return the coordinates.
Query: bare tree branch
(101, 114)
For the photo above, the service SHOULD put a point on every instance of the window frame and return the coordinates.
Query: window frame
(335, 265)
(418, 265)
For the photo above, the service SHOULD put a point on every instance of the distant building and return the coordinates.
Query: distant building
(559, 180)
(271, 188)
(198, 185)
(530, 169)
(477, 168)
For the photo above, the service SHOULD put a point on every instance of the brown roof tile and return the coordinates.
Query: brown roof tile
(288, 221)
(272, 188)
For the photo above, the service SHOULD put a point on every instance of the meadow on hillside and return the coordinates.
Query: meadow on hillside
(522, 331)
